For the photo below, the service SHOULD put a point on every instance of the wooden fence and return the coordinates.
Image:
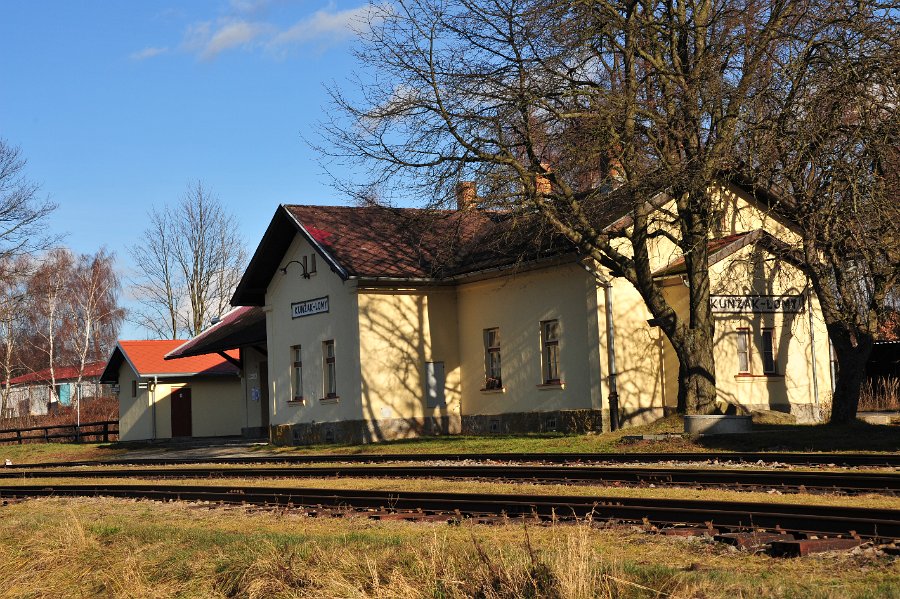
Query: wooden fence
(71, 433)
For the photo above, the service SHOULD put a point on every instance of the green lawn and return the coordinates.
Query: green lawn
(853, 438)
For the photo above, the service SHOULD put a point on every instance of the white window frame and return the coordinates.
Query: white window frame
(329, 370)
(296, 373)
(743, 335)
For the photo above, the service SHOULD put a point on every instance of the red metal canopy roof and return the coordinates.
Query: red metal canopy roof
(63, 374)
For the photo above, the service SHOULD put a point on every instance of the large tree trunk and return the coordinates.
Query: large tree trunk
(852, 352)
(696, 373)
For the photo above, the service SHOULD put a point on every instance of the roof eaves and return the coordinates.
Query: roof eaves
(623, 222)
(127, 359)
(340, 270)
(673, 269)
(175, 375)
(111, 363)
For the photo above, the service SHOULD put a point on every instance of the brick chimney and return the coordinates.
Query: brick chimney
(541, 183)
(466, 195)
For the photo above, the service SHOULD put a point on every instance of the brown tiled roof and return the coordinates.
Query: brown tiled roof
(421, 244)
(406, 243)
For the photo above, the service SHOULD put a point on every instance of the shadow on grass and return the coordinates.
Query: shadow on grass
(858, 436)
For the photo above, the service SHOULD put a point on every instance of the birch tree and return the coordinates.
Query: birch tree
(96, 314)
(49, 313)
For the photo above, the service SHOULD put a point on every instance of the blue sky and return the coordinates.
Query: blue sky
(117, 106)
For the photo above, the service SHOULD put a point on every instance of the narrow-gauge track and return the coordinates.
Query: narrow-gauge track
(797, 459)
(735, 516)
(841, 482)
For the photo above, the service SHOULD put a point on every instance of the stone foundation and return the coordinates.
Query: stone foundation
(557, 421)
(352, 432)
(805, 413)
(355, 432)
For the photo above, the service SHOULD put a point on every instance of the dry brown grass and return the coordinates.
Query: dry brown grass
(880, 395)
(115, 548)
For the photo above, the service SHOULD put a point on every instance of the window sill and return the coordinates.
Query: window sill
(748, 378)
(297, 401)
(329, 399)
(550, 386)
(500, 390)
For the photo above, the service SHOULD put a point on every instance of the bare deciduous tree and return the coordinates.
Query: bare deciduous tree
(189, 262)
(14, 273)
(828, 142)
(577, 113)
(22, 212)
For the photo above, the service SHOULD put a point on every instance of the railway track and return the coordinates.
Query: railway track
(790, 481)
(801, 520)
(796, 459)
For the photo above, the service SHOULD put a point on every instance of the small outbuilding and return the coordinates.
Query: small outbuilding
(40, 392)
(199, 396)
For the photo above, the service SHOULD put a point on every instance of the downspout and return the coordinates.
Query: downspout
(613, 398)
(152, 393)
(812, 348)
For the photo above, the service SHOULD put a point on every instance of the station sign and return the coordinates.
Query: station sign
(756, 304)
(309, 307)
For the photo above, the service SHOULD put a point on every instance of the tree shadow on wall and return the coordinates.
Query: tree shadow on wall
(400, 336)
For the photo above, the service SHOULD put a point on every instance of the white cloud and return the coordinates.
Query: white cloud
(148, 53)
(328, 25)
(209, 41)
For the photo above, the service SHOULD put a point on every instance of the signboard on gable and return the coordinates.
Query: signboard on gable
(309, 307)
(755, 304)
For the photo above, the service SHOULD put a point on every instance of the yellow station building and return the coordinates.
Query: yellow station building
(384, 323)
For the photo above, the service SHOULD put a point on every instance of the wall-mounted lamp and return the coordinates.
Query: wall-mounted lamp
(302, 265)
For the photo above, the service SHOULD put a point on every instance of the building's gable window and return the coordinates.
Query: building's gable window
(330, 375)
(550, 343)
(768, 352)
(743, 351)
(296, 373)
(309, 265)
(493, 376)
(134, 388)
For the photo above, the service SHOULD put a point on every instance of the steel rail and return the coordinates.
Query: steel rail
(738, 516)
(845, 482)
(797, 459)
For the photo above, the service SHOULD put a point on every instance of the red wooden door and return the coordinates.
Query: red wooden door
(181, 412)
